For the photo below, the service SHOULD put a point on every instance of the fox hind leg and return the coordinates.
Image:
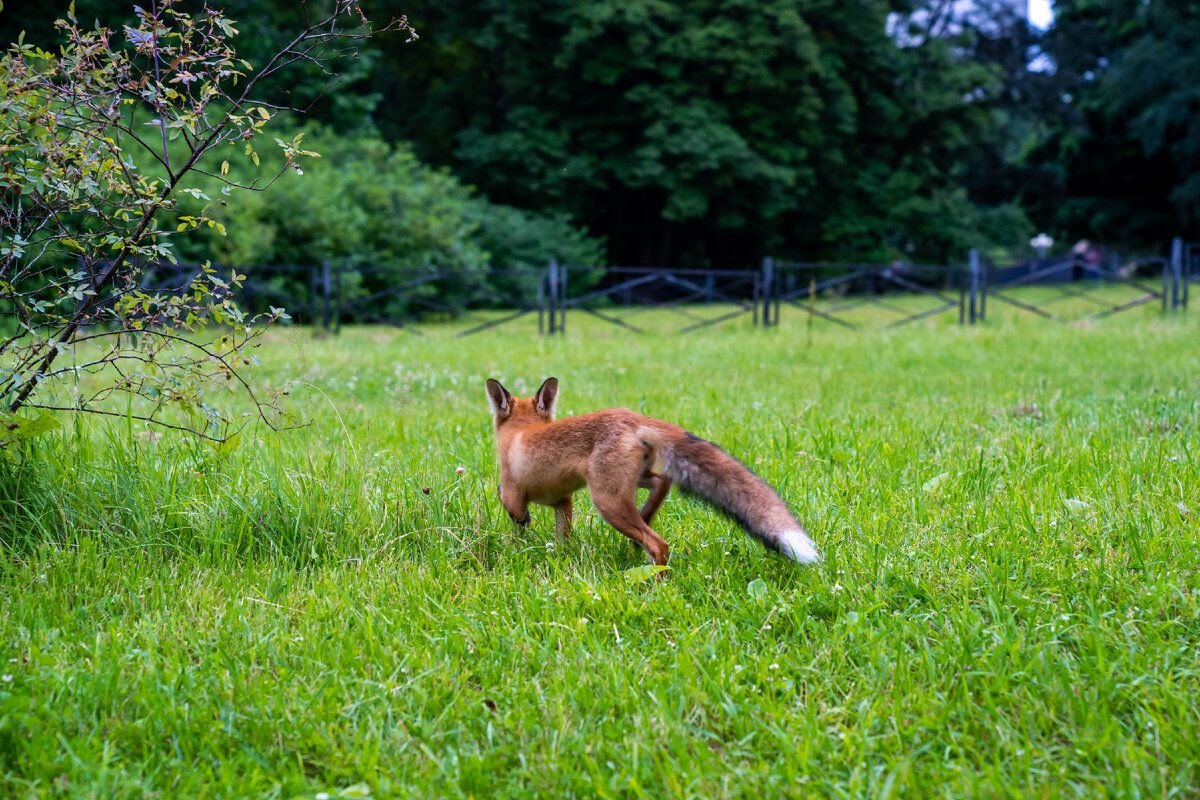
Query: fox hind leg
(613, 476)
(621, 512)
(660, 487)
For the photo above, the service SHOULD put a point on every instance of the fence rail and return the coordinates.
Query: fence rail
(896, 294)
(849, 288)
(1075, 277)
(683, 292)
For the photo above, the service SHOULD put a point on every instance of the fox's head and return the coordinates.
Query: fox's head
(507, 409)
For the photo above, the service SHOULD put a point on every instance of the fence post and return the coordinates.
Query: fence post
(1176, 273)
(552, 293)
(768, 283)
(973, 265)
(984, 276)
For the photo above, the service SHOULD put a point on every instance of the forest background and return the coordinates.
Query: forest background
(708, 134)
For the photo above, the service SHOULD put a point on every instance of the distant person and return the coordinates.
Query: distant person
(1085, 258)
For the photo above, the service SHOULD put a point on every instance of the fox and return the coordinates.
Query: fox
(614, 452)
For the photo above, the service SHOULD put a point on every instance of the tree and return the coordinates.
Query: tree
(1124, 144)
(706, 131)
(81, 216)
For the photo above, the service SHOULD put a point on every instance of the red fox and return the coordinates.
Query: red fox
(614, 452)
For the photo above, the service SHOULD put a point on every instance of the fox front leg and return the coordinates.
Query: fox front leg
(562, 517)
(515, 504)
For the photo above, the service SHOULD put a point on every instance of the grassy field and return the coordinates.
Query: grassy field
(1008, 607)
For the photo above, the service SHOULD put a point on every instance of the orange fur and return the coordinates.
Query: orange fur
(613, 453)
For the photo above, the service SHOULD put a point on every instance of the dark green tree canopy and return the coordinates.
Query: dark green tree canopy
(710, 133)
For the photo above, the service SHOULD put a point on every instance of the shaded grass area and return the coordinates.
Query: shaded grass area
(1009, 604)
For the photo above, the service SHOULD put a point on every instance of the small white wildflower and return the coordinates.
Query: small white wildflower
(322, 795)
(837, 587)
(773, 666)
(460, 471)
(583, 620)
(6, 678)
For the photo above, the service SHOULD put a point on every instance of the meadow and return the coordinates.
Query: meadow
(1009, 604)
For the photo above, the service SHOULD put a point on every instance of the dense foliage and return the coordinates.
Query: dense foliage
(82, 218)
(707, 132)
(1123, 154)
(382, 216)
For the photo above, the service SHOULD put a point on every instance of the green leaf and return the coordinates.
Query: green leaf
(357, 790)
(17, 429)
(757, 588)
(644, 572)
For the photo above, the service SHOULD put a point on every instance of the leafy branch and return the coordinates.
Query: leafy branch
(80, 216)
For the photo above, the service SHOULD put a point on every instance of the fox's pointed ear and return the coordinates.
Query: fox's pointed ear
(546, 397)
(499, 398)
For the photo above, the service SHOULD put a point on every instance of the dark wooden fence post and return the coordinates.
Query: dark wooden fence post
(984, 270)
(973, 266)
(1176, 274)
(961, 280)
(768, 284)
(552, 293)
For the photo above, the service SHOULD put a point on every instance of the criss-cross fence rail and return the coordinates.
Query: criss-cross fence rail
(860, 295)
(1074, 286)
(480, 299)
(1189, 270)
(698, 298)
(849, 296)
(327, 295)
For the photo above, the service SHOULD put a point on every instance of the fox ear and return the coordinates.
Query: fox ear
(499, 398)
(546, 398)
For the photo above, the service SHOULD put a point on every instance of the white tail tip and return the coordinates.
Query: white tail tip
(796, 545)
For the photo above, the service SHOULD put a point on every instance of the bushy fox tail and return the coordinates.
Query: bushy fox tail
(702, 468)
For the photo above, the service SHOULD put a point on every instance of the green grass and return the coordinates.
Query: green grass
(1009, 605)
